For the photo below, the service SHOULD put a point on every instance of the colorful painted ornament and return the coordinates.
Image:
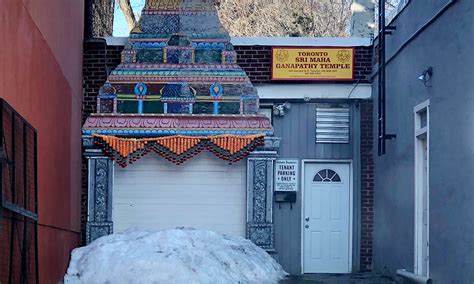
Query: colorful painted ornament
(216, 90)
(175, 68)
(178, 149)
(141, 90)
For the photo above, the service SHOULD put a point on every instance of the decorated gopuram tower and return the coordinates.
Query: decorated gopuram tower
(178, 92)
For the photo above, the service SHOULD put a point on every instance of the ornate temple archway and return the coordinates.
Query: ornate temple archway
(179, 92)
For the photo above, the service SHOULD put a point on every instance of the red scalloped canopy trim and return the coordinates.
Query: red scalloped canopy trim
(179, 149)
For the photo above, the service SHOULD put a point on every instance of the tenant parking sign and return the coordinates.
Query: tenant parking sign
(286, 175)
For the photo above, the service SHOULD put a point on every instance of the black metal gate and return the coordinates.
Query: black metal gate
(19, 199)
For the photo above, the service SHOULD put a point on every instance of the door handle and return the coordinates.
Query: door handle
(306, 226)
(307, 219)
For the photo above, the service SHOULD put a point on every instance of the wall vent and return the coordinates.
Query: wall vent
(332, 125)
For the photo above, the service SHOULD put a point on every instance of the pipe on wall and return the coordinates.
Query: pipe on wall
(413, 277)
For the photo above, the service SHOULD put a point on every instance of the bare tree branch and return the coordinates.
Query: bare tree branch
(99, 18)
(285, 18)
(316, 18)
(128, 13)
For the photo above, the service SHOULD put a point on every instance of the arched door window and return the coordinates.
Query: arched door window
(327, 175)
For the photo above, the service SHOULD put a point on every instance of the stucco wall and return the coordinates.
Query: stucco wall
(41, 77)
(446, 46)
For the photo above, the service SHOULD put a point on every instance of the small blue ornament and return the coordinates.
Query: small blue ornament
(216, 90)
(141, 90)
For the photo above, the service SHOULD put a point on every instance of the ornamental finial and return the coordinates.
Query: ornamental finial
(163, 4)
(179, 4)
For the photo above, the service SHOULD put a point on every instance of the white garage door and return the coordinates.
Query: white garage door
(204, 192)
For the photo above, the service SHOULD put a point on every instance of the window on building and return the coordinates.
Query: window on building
(423, 118)
(393, 7)
(267, 110)
(327, 175)
(402, 5)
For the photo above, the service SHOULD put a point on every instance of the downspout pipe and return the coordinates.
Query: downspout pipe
(413, 277)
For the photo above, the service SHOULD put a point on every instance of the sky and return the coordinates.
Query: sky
(120, 25)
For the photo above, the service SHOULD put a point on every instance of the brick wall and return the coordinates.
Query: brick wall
(255, 60)
(98, 61)
(367, 185)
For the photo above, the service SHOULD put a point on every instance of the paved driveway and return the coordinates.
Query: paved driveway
(337, 278)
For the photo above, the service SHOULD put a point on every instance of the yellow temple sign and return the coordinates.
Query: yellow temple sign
(307, 63)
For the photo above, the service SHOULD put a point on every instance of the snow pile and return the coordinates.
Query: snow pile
(172, 256)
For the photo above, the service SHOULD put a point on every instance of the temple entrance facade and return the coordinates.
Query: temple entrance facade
(196, 129)
(179, 93)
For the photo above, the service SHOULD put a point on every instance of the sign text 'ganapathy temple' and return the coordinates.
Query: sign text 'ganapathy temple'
(313, 63)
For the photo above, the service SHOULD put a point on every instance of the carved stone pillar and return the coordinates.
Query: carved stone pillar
(99, 213)
(260, 169)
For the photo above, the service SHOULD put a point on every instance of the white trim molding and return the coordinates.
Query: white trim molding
(279, 41)
(314, 91)
(301, 41)
(422, 189)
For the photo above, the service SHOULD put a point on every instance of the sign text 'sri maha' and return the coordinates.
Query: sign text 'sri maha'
(313, 64)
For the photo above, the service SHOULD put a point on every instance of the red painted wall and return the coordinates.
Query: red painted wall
(41, 77)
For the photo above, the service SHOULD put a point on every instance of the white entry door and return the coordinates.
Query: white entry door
(327, 213)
